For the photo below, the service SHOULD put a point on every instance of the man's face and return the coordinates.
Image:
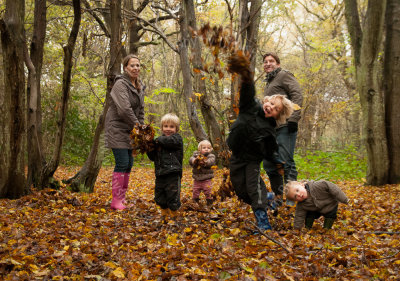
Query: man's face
(270, 64)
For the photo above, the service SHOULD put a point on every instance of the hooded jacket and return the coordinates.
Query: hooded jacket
(126, 109)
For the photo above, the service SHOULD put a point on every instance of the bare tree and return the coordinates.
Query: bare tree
(34, 133)
(50, 168)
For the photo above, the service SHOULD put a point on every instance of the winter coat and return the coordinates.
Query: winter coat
(283, 82)
(252, 136)
(167, 154)
(323, 196)
(204, 172)
(126, 109)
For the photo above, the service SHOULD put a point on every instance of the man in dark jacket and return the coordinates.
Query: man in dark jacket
(280, 81)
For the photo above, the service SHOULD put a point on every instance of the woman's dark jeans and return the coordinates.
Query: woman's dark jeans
(123, 160)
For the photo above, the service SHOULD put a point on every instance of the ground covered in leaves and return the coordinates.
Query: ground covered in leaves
(59, 235)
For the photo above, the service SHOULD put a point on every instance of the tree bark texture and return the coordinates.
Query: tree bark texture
(391, 82)
(366, 47)
(194, 121)
(12, 181)
(51, 167)
(36, 159)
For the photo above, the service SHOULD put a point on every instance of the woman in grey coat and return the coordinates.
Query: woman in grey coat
(126, 109)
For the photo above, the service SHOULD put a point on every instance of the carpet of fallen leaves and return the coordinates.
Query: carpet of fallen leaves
(59, 235)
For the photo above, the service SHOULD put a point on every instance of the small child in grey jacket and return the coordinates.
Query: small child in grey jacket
(315, 199)
(202, 162)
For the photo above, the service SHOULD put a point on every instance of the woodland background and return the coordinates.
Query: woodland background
(60, 58)
(58, 61)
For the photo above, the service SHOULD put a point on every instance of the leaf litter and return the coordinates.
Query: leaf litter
(61, 235)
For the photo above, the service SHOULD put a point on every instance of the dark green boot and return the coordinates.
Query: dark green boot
(328, 222)
(309, 222)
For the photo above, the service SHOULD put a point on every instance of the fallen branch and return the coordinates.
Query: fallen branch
(270, 238)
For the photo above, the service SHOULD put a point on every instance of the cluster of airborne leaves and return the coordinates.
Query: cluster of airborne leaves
(59, 235)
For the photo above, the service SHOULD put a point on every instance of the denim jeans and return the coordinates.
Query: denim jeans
(123, 160)
(287, 143)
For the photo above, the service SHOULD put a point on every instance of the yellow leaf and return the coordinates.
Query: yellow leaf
(296, 106)
(172, 239)
(110, 264)
(235, 231)
(199, 271)
(119, 273)
(188, 229)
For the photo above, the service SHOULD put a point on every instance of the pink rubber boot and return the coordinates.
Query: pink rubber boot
(125, 187)
(117, 191)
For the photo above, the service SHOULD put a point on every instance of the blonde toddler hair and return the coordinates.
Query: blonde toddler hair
(203, 142)
(287, 107)
(170, 118)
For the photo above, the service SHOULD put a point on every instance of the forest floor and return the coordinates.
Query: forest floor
(60, 235)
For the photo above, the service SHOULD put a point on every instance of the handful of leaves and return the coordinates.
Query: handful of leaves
(199, 161)
(142, 137)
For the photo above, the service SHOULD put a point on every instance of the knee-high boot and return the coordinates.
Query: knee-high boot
(125, 186)
(117, 191)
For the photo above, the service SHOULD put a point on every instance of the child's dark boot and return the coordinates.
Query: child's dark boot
(262, 219)
(328, 222)
(209, 202)
(309, 222)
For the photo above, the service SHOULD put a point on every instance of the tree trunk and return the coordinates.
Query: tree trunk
(210, 120)
(194, 122)
(85, 179)
(13, 182)
(34, 133)
(50, 168)
(366, 47)
(391, 80)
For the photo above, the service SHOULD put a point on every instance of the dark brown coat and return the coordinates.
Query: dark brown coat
(284, 83)
(323, 197)
(126, 109)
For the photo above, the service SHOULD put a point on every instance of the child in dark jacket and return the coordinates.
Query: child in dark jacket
(252, 138)
(168, 156)
(315, 199)
(202, 162)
